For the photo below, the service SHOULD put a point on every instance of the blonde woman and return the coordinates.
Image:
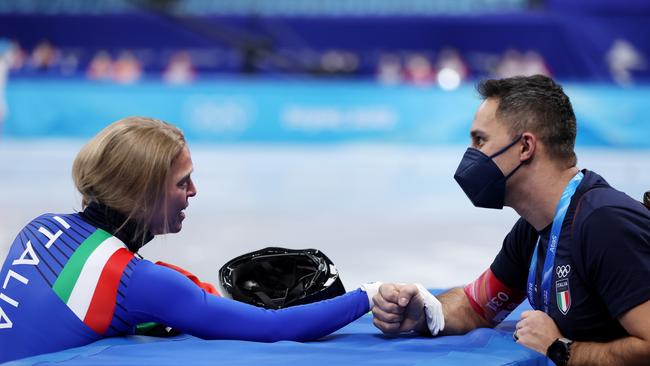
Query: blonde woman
(72, 279)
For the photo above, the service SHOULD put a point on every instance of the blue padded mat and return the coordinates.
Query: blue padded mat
(359, 343)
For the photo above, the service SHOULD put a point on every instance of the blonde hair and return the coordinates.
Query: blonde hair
(125, 167)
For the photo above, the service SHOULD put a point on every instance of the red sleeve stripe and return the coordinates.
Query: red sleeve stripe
(208, 287)
(492, 299)
(471, 292)
(102, 306)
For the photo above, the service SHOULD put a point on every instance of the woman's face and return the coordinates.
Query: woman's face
(179, 188)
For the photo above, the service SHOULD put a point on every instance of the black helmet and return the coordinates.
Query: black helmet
(276, 278)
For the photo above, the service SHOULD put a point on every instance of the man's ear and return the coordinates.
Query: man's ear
(528, 146)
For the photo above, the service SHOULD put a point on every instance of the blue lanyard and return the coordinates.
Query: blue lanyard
(549, 262)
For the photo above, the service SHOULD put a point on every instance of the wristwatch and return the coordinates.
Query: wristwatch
(560, 351)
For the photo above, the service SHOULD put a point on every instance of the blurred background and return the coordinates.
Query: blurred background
(332, 124)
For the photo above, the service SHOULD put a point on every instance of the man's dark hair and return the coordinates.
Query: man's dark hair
(538, 104)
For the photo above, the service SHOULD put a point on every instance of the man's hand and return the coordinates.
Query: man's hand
(398, 308)
(536, 330)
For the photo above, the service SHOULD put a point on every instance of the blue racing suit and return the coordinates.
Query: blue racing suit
(67, 283)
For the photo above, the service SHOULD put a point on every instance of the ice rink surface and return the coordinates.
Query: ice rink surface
(380, 212)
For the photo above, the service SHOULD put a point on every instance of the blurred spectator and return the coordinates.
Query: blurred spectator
(452, 70)
(44, 57)
(180, 69)
(511, 64)
(338, 62)
(100, 67)
(350, 62)
(623, 58)
(69, 64)
(514, 63)
(126, 69)
(389, 69)
(449, 58)
(534, 64)
(419, 71)
(7, 54)
(19, 56)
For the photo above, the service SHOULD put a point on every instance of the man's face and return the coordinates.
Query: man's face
(489, 135)
(179, 188)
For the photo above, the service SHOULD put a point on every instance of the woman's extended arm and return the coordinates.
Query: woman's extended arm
(162, 295)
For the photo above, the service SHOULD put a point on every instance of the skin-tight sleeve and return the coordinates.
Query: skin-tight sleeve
(159, 294)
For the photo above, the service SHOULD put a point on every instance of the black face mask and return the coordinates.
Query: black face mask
(481, 179)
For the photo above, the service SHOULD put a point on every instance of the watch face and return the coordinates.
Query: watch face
(558, 352)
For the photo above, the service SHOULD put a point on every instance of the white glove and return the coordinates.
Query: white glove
(432, 311)
(371, 289)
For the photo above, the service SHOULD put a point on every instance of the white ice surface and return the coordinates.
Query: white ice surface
(381, 213)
